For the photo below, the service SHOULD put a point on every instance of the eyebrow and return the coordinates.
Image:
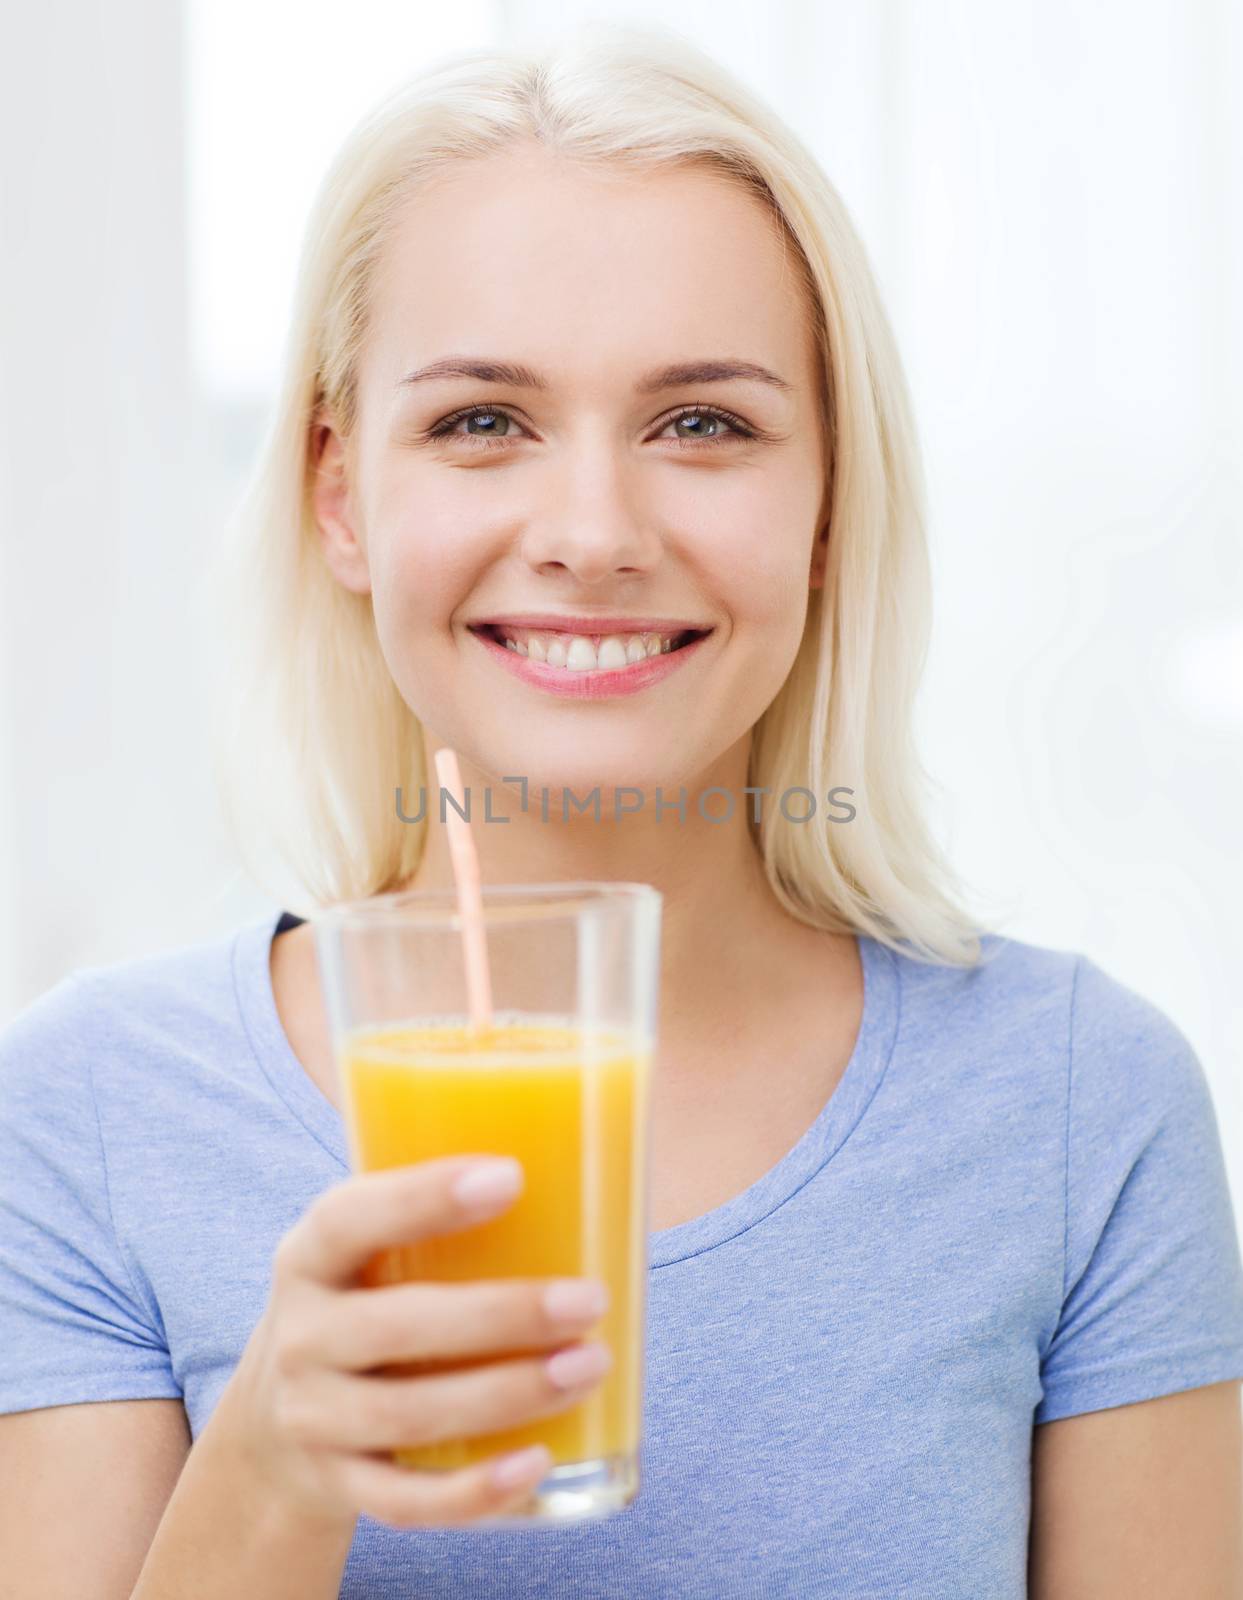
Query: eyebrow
(679, 375)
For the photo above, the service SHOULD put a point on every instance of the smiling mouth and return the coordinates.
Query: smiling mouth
(585, 653)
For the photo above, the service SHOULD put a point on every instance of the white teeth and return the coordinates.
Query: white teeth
(582, 653)
(611, 652)
(581, 656)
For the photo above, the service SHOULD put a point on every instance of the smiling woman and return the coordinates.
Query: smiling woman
(576, 357)
(594, 462)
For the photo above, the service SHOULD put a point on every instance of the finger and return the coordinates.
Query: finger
(366, 1328)
(339, 1411)
(407, 1499)
(347, 1225)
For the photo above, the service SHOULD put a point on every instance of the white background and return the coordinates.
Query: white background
(1052, 198)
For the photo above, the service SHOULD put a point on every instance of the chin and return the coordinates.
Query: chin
(579, 773)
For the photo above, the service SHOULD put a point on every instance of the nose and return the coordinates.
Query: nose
(589, 524)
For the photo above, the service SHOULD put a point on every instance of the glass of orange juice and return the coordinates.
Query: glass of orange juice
(560, 1079)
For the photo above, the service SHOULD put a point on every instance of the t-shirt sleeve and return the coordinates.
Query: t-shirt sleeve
(1152, 1299)
(73, 1326)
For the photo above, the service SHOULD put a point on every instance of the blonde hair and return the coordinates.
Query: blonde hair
(311, 735)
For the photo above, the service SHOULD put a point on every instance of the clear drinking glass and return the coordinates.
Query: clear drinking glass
(561, 1081)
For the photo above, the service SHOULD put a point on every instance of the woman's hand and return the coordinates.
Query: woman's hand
(311, 1415)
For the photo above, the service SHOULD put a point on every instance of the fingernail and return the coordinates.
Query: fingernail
(487, 1183)
(572, 1298)
(569, 1368)
(524, 1466)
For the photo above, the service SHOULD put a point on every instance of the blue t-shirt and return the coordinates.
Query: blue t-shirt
(1012, 1208)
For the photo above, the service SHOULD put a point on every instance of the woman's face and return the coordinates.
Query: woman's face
(605, 493)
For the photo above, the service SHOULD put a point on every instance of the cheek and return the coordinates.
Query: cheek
(419, 574)
(753, 540)
(422, 563)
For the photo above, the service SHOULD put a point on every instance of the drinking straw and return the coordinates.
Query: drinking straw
(465, 860)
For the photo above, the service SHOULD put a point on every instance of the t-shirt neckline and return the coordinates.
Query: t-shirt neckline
(874, 1045)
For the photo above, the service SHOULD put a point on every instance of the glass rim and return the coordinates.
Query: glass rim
(504, 902)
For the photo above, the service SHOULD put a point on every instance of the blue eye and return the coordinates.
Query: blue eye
(474, 414)
(496, 437)
(708, 414)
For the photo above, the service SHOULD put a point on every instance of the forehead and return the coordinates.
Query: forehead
(528, 254)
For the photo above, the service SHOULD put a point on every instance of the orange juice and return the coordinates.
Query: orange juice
(571, 1106)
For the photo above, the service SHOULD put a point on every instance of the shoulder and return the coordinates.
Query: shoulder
(1011, 979)
(1055, 1014)
(45, 1062)
(1004, 1017)
(1120, 1045)
(1019, 980)
(116, 1016)
(1128, 1070)
(1127, 1048)
(188, 978)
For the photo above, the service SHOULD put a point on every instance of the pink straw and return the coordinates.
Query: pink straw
(470, 902)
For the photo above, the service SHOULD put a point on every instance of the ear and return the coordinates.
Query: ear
(333, 509)
(819, 557)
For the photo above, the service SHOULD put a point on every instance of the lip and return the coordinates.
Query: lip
(553, 622)
(597, 685)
